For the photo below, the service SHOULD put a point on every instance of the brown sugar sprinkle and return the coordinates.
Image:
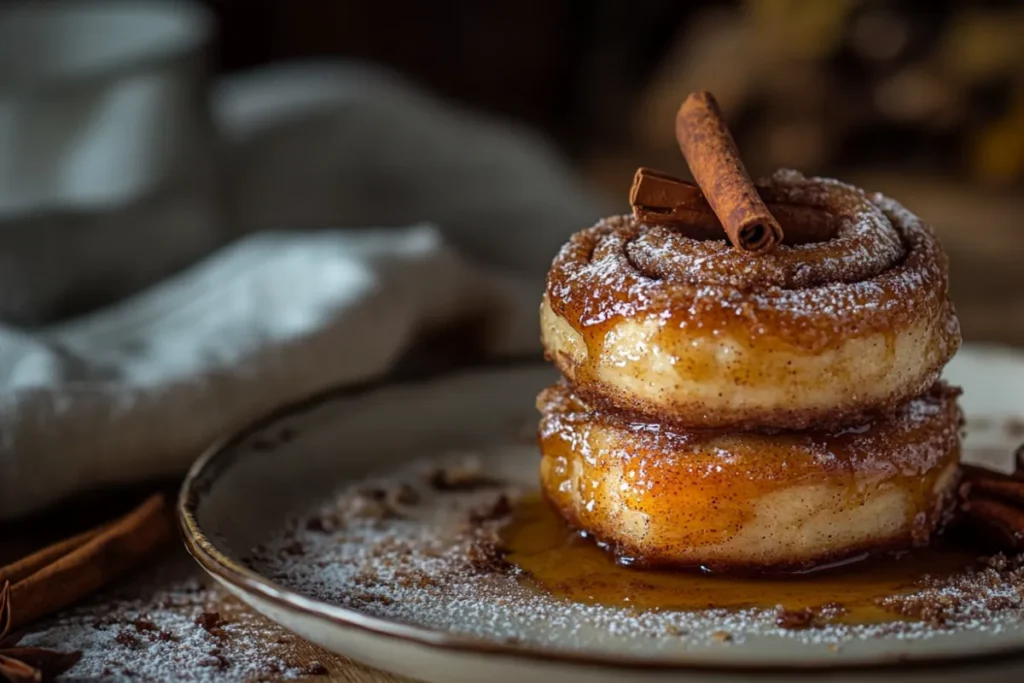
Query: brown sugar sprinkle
(143, 625)
(403, 494)
(370, 505)
(294, 548)
(807, 617)
(209, 621)
(996, 586)
(128, 639)
(497, 509)
(484, 552)
(315, 669)
(794, 619)
(466, 475)
(151, 631)
(375, 503)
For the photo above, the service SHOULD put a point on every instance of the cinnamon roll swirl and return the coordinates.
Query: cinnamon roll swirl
(848, 316)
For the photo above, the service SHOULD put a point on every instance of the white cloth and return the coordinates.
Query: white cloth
(138, 390)
(310, 292)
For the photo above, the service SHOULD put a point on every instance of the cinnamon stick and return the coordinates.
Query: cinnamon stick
(715, 163)
(1004, 521)
(114, 550)
(27, 566)
(1006, 489)
(658, 197)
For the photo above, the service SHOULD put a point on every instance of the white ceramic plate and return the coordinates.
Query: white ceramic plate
(247, 486)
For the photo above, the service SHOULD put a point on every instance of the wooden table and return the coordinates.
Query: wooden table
(175, 566)
(980, 231)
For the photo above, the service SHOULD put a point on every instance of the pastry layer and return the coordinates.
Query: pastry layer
(750, 501)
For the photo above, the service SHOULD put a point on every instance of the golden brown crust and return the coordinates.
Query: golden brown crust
(882, 274)
(750, 501)
(778, 417)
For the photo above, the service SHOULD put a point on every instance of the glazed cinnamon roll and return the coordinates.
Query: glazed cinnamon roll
(769, 402)
(748, 501)
(848, 316)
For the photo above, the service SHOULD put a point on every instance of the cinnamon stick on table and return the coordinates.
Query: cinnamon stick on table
(70, 570)
(715, 163)
(27, 566)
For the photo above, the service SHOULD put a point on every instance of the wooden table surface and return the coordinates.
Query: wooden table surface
(981, 232)
(174, 567)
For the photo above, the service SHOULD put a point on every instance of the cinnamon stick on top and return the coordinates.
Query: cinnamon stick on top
(658, 197)
(716, 166)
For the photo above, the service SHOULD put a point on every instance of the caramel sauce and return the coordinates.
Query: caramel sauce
(596, 463)
(565, 563)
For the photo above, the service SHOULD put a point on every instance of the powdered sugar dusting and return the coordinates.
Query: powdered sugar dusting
(180, 630)
(883, 269)
(432, 559)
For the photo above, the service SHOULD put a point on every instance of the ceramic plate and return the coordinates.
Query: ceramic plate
(242, 491)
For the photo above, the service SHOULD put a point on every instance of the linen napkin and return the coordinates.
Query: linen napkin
(361, 212)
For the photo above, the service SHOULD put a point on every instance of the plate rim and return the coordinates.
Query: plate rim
(216, 458)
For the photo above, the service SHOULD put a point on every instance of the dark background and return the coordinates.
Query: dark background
(570, 67)
(921, 100)
(930, 86)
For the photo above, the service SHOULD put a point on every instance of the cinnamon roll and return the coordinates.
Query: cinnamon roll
(766, 403)
(749, 501)
(849, 316)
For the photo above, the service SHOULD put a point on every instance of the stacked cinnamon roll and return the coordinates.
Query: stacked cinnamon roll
(746, 413)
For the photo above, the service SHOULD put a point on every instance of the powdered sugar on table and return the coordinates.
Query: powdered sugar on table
(181, 630)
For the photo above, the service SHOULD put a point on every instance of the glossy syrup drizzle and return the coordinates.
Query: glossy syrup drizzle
(560, 561)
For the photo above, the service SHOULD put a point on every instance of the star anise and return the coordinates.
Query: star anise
(27, 664)
(994, 502)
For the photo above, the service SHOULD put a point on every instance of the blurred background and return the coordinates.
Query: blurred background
(923, 101)
(826, 87)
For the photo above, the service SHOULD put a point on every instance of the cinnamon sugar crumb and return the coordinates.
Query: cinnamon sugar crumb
(996, 586)
(369, 506)
(497, 509)
(464, 476)
(485, 552)
(146, 628)
(794, 619)
(403, 494)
